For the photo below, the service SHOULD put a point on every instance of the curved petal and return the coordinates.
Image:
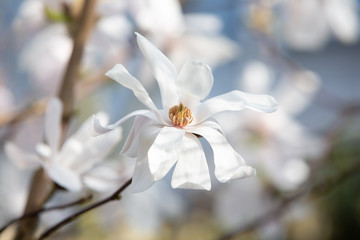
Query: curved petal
(53, 123)
(64, 177)
(70, 150)
(21, 158)
(191, 170)
(83, 133)
(228, 163)
(163, 70)
(97, 128)
(195, 82)
(101, 179)
(95, 149)
(234, 101)
(142, 178)
(43, 150)
(122, 76)
(164, 152)
(131, 143)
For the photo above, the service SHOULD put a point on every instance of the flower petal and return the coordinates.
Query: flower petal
(142, 178)
(191, 170)
(195, 81)
(21, 158)
(234, 101)
(101, 179)
(53, 123)
(122, 76)
(64, 177)
(228, 163)
(163, 70)
(131, 143)
(98, 128)
(95, 150)
(164, 152)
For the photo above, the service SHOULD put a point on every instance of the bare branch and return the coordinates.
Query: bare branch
(112, 197)
(35, 213)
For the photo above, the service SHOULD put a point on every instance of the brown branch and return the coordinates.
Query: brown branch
(36, 199)
(35, 213)
(40, 191)
(82, 30)
(112, 197)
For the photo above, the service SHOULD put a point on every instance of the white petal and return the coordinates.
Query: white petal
(21, 158)
(163, 70)
(101, 179)
(71, 149)
(43, 150)
(191, 170)
(64, 177)
(142, 178)
(234, 101)
(131, 144)
(53, 123)
(228, 163)
(165, 151)
(83, 133)
(98, 128)
(95, 149)
(122, 76)
(195, 81)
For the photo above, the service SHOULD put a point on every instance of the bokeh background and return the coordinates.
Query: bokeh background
(305, 53)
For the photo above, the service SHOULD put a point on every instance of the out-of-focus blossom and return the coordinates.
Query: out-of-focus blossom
(280, 155)
(75, 163)
(308, 24)
(162, 137)
(6, 100)
(52, 48)
(183, 36)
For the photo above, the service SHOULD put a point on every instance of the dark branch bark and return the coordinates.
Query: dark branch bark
(36, 213)
(112, 197)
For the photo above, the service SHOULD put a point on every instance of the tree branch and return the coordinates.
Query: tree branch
(112, 197)
(82, 30)
(36, 199)
(35, 213)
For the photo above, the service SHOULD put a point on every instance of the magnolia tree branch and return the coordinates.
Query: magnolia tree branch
(40, 191)
(115, 196)
(82, 30)
(39, 187)
(48, 209)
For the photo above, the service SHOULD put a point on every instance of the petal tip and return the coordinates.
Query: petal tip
(190, 185)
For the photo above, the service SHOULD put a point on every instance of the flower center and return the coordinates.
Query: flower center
(180, 115)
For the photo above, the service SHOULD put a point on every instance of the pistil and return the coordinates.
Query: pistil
(180, 115)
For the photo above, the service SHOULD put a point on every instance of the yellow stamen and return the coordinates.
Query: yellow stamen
(180, 115)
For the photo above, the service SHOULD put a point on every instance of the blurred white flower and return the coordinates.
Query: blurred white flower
(75, 163)
(181, 35)
(52, 48)
(280, 155)
(161, 137)
(310, 23)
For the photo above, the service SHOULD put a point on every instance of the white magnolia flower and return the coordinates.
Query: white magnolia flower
(161, 138)
(72, 165)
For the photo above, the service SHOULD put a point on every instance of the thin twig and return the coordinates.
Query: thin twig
(112, 197)
(35, 213)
